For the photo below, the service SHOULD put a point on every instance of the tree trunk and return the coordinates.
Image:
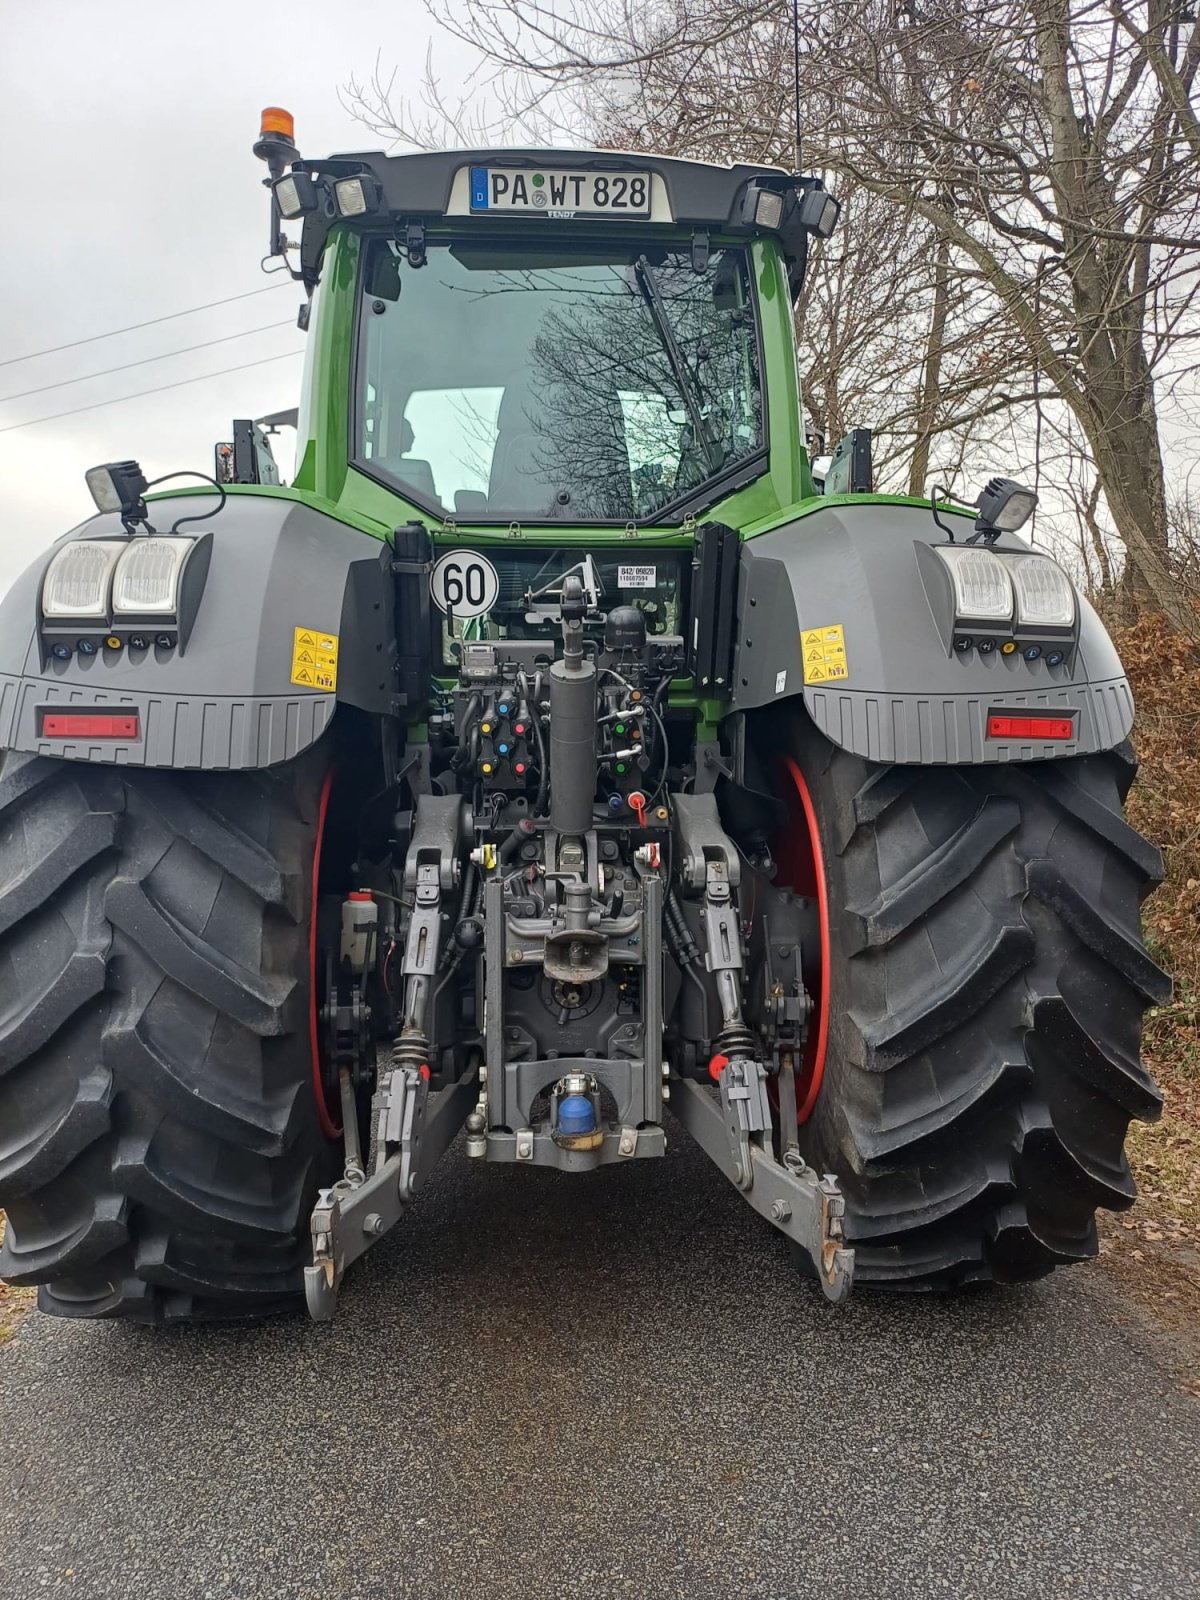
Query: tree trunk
(931, 377)
(1096, 534)
(1115, 400)
(1130, 472)
(1118, 414)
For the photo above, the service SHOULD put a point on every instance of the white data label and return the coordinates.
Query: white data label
(637, 577)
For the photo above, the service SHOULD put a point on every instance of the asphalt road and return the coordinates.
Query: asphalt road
(608, 1386)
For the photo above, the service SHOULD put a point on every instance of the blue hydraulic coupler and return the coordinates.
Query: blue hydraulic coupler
(576, 1114)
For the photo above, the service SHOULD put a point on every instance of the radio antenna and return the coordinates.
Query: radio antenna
(796, 72)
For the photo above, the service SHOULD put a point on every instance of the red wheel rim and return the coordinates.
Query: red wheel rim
(331, 1128)
(802, 868)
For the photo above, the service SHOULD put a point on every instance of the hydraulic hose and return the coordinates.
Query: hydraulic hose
(531, 700)
(686, 952)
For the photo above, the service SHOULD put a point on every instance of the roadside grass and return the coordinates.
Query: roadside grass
(14, 1303)
(1154, 1249)
(1164, 804)
(1166, 1155)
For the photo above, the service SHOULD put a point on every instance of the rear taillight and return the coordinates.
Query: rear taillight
(89, 725)
(1006, 727)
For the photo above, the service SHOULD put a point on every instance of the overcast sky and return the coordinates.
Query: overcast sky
(131, 193)
(127, 127)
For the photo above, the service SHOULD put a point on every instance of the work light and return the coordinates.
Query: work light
(118, 486)
(146, 583)
(982, 589)
(1044, 592)
(1004, 506)
(768, 210)
(356, 197)
(819, 212)
(78, 580)
(295, 195)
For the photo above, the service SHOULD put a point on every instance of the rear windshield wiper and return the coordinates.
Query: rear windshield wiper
(648, 283)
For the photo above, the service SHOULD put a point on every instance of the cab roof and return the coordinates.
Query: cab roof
(699, 191)
(427, 187)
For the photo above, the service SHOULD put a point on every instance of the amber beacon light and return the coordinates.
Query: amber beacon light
(279, 122)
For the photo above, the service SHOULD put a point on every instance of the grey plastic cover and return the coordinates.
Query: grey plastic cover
(227, 699)
(907, 696)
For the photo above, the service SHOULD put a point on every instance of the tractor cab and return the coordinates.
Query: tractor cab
(548, 338)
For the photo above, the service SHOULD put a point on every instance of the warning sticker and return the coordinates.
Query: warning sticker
(824, 652)
(314, 659)
(637, 577)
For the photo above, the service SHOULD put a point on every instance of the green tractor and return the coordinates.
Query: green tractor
(561, 748)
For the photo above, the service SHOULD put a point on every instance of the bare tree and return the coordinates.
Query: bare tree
(879, 343)
(1042, 158)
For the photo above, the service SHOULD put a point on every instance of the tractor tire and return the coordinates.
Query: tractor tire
(162, 1131)
(982, 1017)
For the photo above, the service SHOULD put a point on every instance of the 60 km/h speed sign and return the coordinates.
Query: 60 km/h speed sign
(464, 583)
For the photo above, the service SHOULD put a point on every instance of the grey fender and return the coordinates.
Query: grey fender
(226, 699)
(906, 695)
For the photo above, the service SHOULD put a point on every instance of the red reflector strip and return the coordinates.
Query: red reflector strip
(88, 725)
(1031, 728)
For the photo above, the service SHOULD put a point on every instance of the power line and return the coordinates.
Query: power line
(134, 326)
(142, 393)
(167, 355)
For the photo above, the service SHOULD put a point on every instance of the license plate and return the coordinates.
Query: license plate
(554, 193)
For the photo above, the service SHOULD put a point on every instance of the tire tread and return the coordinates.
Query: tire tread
(159, 1146)
(984, 1059)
